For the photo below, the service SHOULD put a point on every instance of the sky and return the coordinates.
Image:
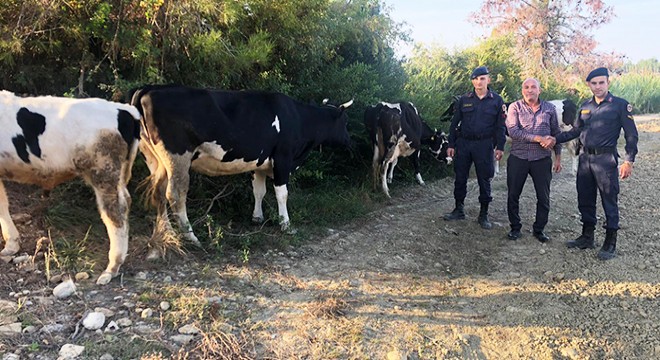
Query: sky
(634, 31)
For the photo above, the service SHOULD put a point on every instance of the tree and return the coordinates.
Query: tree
(552, 36)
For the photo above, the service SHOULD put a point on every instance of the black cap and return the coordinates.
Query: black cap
(601, 71)
(481, 70)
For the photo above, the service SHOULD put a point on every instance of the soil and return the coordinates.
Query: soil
(400, 284)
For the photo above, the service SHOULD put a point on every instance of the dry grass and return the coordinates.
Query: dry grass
(218, 345)
(328, 307)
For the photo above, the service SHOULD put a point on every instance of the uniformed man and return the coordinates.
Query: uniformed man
(599, 125)
(476, 128)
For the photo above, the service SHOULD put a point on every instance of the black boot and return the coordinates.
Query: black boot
(584, 241)
(483, 217)
(457, 214)
(608, 251)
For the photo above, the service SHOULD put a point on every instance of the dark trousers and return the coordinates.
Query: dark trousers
(479, 152)
(516, 174)
(598, 173)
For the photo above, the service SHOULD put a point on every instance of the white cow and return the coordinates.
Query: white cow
(567, 113)
(48, 140)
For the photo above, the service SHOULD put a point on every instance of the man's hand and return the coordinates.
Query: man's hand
(548, 142)
(556, 167)
(498, 154)
(450, 152)
(625, 170)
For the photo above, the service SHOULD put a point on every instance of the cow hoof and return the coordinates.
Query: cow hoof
(105, 278)
(10, 250)
(258, 220)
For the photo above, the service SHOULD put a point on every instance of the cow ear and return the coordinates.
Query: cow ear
(345, 105)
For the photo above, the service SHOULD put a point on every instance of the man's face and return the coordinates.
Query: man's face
(599, 86)
(531, 91)
(481, 82)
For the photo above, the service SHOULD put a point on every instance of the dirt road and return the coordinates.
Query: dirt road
(413, 285)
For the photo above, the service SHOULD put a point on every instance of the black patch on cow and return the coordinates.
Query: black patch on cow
(21, 148)
(128, 127)
(33, 125)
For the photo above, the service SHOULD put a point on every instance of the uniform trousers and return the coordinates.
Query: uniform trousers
(479, 152)
(598, 173)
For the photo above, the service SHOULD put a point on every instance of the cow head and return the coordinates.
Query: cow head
(338, 135)
(439, 145)
(569, 112)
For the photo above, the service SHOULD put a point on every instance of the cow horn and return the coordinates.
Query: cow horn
(344, 106)
(325, 101)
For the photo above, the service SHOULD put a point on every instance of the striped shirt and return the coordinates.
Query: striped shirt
(523, 124)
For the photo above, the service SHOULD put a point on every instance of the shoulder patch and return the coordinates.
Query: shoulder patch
(629, 108)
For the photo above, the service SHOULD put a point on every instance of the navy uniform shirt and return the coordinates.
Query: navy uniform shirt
(599, 125)
(479, 118)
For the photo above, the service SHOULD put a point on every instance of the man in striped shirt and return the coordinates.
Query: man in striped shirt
(532, 124)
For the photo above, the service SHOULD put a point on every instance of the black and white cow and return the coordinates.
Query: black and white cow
(396, 130)
(567, 114)
(48, 140)
(228, 132)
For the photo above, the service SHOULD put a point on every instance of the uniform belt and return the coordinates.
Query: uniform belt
(476, 137)
(600, 150)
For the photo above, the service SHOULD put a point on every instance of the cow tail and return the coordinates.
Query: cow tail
(132, 151)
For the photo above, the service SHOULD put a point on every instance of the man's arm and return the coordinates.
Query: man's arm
(500, 127)
(632, 137)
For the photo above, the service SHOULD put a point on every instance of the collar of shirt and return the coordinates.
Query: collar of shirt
(489, 94)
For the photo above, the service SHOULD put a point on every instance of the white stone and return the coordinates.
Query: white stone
(10, 356)
(164, 305)
(30, 329)
(182, 339)
(64, 290)
(82, 276)
(106, 357)
(94, 320)
(8, 312)
(146, 313)
(70, 351)
(124, 322)
(10, 329)
(112, 326)
(21, 259)
(5, 259)
(51, 328)
(189, 329)
(141, 276)
(167, 279)
(105, 311)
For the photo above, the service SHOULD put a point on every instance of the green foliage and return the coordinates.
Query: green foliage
(435, 75)
(641, 89)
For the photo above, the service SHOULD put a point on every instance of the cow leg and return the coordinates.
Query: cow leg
(415, 160)
(177, 190)
(375, 166)
(113, 204)
(282, 195)
(575, 164)
(390, 172)
(9, 231)
(383, 177)
(259, 191)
